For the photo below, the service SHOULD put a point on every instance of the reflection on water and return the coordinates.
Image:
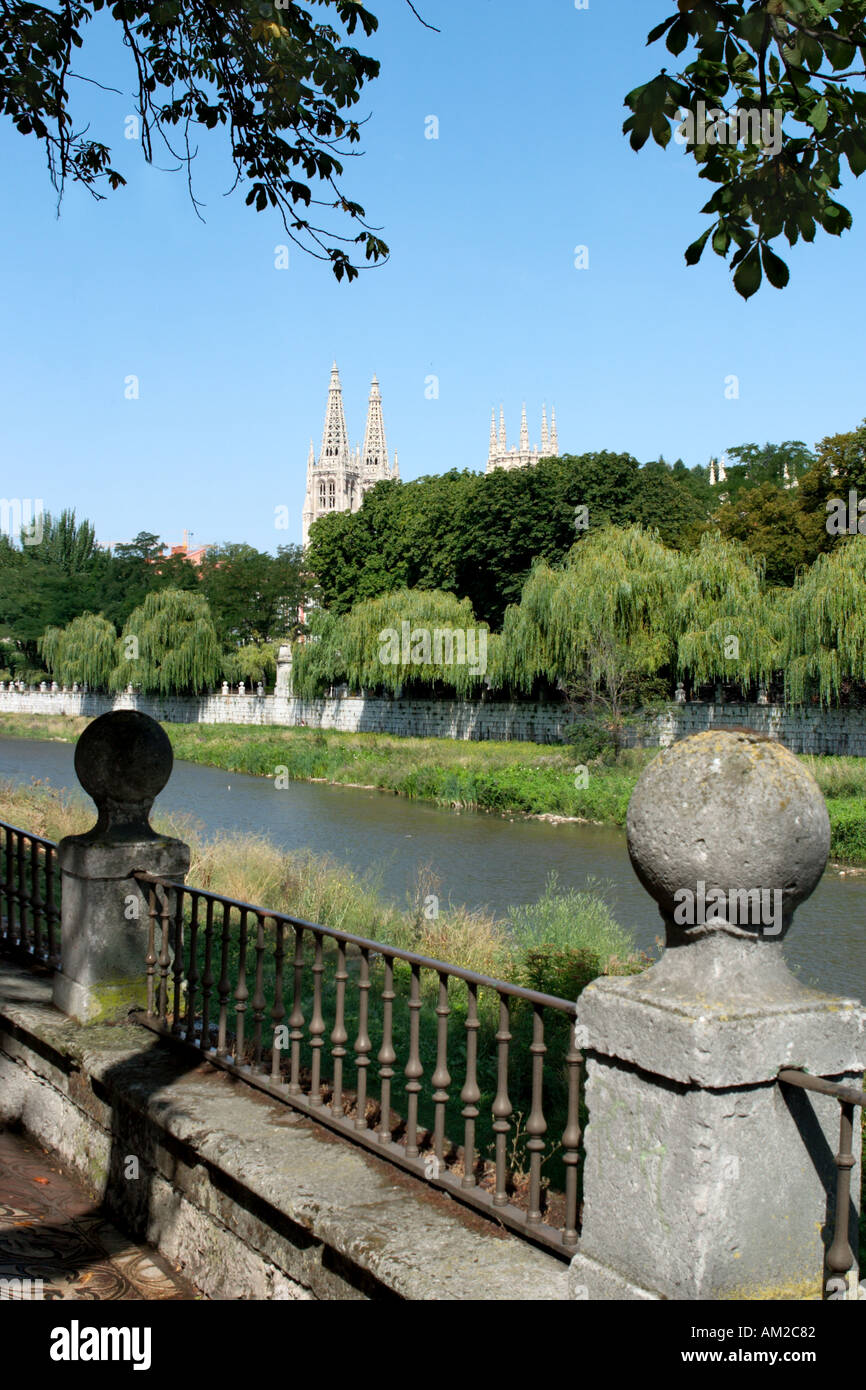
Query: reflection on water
(480, 860)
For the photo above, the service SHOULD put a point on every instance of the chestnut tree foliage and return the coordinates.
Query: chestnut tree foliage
(803, 58)
(280, 77)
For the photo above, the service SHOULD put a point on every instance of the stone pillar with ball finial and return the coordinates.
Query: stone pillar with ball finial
(122, 760)
(705, 1177)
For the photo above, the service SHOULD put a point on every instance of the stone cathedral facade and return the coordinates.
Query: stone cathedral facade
(500, 456)
(339, 478)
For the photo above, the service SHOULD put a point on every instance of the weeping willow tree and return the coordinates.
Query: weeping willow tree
(317, 660)
(725, 623)
(600, 620)
(256, 661)
(825, 643)
(414, 636)
(169, 645)
(83, 651)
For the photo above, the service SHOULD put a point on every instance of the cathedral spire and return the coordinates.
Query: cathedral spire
(492, 451)
(545, 443)
(524, 432)
(375, 455)
(335, 437)
(503, 438)
(554, 437)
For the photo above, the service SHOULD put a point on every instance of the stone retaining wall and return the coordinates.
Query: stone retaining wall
(803, 730)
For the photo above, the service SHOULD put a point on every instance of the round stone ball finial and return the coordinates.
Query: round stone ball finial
(123, 760)
(728, 832)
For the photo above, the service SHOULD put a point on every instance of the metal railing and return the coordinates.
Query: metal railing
(840, 1258)
(29, 896)
(219, 972)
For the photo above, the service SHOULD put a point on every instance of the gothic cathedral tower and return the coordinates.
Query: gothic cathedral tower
(341, 477)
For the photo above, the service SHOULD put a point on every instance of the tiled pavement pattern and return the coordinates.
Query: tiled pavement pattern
(51, 1230)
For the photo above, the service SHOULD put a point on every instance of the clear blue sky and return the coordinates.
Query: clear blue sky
(233, 356)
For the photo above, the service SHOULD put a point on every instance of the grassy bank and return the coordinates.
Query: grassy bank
(509, 778)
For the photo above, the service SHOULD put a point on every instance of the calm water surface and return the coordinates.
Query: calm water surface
(480, 860)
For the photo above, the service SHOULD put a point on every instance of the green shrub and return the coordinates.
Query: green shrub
(564, 971)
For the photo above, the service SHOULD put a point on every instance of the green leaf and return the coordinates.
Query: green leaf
(678, 37)
(721, 241)
(657, 32)
(747, 276)
(774, 268)
(695, 251)
(819, 116)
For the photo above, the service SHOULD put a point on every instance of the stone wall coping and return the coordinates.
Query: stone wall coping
(417, 1243)
(717, 1047)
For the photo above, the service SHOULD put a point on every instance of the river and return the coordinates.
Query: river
(480, 860)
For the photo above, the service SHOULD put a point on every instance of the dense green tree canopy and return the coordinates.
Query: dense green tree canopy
(253, 596)
(85, 651)
(477, 535)
(411, 637)
(169, 646)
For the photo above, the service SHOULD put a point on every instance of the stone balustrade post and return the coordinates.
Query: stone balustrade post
(122, 760)
(283, 686)
(704, 1176)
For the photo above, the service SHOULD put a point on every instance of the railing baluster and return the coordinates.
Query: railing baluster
(224, 985)
(278, 1011)
(207, 979)
(164, 956)
(296, 1017)
(317, 1024)
(178, 968)
(840, 1256)
(339, 1036)
(441, 1077)
(363, 1044)
(52, 909)
(36, 903)
(502, 1105)
(21, 894)
(571, 1136)
(259, 994)
(413, 1069)
(536, 1125)
(192, 971)
(387, 1056)
(6, 916)
(242, 994)
(150, 958)
(470, 1095)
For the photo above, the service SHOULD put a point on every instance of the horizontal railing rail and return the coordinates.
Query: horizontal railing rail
(29, 896)
(840, 1257)
(223, 975)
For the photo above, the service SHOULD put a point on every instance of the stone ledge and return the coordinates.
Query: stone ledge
(253, 1200)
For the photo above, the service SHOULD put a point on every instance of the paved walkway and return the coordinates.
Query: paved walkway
(50, 1230)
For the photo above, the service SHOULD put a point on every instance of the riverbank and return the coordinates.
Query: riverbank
(507, 778)
(577, 929)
